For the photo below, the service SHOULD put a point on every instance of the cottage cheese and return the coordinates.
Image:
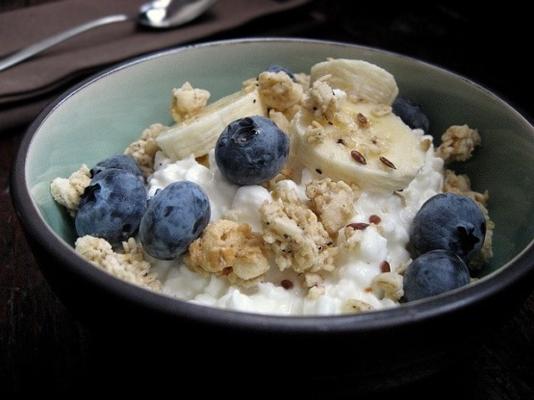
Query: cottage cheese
(351, 284)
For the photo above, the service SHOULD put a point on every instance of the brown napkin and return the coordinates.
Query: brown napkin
(24, 87)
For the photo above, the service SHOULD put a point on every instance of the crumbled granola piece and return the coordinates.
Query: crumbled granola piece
(68, 191)
(315, 133)
(346, 121)
(321, 99)
(227, 248)
(187, 102)
(352, 306)
(389, 285)
(349, 237)
(425, 142)
(280, 120)
(332, 201)
(144, 149)
(312, 279)
(401, 268)
(295, 235)
(315, 292)
(487, 247)
(292, 111)
(278, 90)
(129, 266)
(458, 143)
(461, 184)
(285, 173)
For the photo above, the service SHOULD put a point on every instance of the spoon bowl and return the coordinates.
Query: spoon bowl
(165, 14)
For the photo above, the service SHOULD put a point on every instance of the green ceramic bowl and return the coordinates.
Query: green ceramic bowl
(104, 114)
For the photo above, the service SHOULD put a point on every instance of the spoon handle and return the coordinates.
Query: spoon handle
(38, 47)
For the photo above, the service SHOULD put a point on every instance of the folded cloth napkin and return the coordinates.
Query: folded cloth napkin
(26, 88)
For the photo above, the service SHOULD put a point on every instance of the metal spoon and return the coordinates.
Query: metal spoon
(158, 14)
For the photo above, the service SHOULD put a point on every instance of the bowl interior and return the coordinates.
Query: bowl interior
(101, 118)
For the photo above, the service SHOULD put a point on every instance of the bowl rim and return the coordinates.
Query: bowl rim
(407, 314)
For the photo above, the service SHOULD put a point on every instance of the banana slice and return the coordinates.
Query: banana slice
(199, 134)
(358, 78)
(369, 147)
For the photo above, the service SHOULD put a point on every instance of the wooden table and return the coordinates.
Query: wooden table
(43, 347)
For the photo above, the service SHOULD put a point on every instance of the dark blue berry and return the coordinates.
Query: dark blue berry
(451, 222)
(119, 161)
(279, 68)
(411, 113)
(251, 150)
(435, 272)
(111, 207)
(175, 217)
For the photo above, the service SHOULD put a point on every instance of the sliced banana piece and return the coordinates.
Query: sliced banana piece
(199, 134)
(368, 147)
(358, 78)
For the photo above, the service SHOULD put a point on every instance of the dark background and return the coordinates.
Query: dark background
(43, 347)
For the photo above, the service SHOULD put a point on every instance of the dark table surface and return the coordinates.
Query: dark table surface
(43, 347)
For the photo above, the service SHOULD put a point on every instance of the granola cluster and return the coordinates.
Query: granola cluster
(129, 265)
(333, 202)
(187, 102)
(349, 237)
(68, 191)
(461, 184)
(458, 143)
(280, 120)
(296, 237)
(322, 100)
(229, 249)
(278, 90)
(353, 306)
(316, 133)
(144, 149)
(388, 285)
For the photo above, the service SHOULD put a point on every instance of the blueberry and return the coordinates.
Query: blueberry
(111, 207)
(279, 68)
(251, 150)
(410, 113)
(175, 217)
(119, 161)
(451, 222)
(433, 273)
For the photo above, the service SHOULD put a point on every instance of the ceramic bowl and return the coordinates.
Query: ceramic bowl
(105, 113)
